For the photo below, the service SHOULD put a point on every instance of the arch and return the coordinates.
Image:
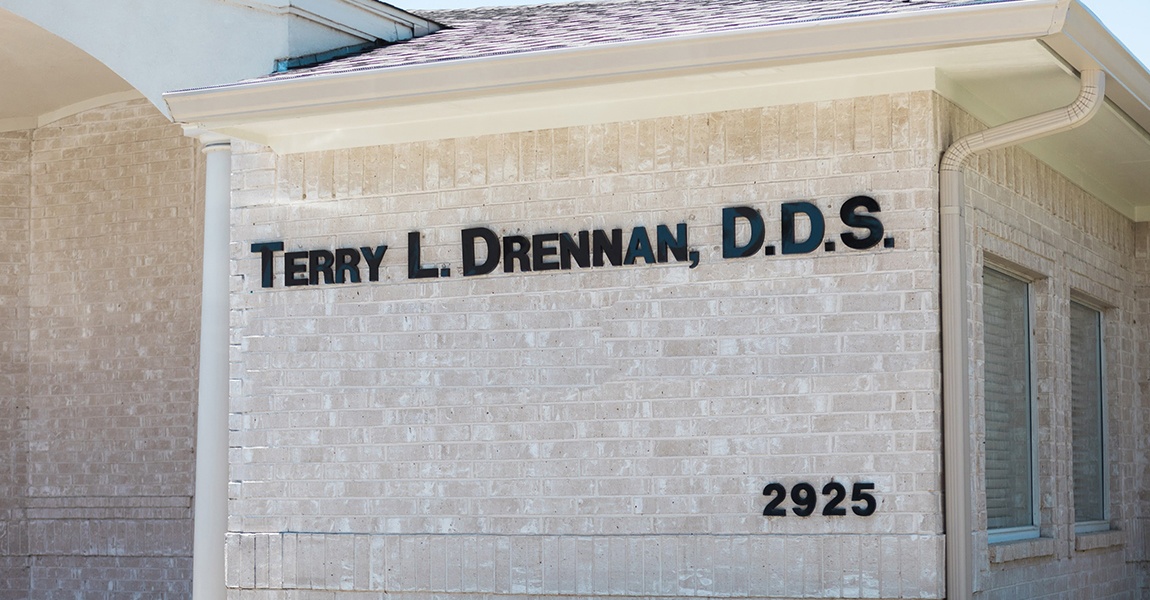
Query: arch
(157, 47)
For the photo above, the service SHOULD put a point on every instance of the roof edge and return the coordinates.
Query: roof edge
(1083, 42)
(258, 100)
(367, 19)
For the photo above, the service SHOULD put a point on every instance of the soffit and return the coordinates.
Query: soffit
(1108, 157)
(663, 68)
(45, 77)
(994, 61)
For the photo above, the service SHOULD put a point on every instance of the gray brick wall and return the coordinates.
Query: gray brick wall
(1140, 469)
(15, 183)
(113, 303)
(601, 432)
(595, 431)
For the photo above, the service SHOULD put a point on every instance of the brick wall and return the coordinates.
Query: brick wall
(15, 167)
(1140, 532)
(601, 431)
(1027, 215)
(113, 293)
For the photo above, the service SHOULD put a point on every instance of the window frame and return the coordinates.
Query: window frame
(1100, 321)
(1033, 530)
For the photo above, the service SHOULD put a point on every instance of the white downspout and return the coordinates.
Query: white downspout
(955, 311)
(211, 500)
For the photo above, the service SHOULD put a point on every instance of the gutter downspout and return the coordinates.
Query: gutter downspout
(955, 311)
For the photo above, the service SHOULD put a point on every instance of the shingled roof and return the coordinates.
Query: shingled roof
(475, 33)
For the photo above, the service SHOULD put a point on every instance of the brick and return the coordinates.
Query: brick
(104, 329)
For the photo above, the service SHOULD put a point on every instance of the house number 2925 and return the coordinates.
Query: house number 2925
(805, 500)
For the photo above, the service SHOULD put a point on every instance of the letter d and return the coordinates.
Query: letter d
(731, 247)
(469, 236)
(818, 227)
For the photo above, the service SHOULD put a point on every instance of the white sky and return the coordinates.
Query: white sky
(1127, 19)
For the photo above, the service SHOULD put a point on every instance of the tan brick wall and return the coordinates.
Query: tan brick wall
(1028, 215)
(15, 184)
(595, 431)
(113, 299)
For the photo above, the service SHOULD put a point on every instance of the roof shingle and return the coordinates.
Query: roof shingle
(480, 32)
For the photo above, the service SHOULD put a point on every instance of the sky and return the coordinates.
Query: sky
(1126, 19)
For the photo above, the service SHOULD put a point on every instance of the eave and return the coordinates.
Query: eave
(976, 56)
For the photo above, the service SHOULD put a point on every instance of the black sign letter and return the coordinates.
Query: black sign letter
(320, 261)
(293, 268)
(851, 218)
(818, 227)
(346, 259)
(267, 251)
(415, 270)
(731, 247)
(492, 242)
(373, 257)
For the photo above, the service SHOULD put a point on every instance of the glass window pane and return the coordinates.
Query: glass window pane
(1006, 336)
(1086, 413)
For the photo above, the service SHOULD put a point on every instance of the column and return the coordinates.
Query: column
(211, 500)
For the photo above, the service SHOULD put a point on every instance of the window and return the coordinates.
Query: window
(1086, 419)
(1010, 469)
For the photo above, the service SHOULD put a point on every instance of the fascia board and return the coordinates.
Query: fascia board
(276, 7)
(395, 31)
(1083, 42)
(370, 18)
(793, 44)
(567, 108)
(361, 18)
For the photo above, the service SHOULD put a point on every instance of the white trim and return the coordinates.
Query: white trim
(23, 123)
(1091, 527)
(341, 14)
(565, 68)
(1032, 401)
(552, 89)
(89, 104)
(1012, 534)
(399, 30)
(1085, 43)
(584, 106)
(375, 8)
(266, 6)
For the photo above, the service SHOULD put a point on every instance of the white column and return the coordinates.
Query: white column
(211, 501)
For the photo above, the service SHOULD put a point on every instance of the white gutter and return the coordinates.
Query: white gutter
(955, 311)
(1083, 41)
(291, 97)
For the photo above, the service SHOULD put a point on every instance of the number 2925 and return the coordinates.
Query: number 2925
(805, 501)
